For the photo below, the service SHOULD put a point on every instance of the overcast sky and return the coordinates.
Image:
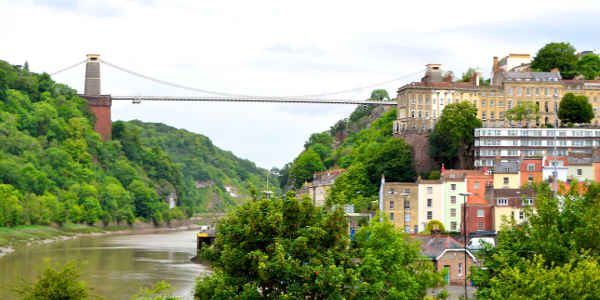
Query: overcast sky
(277, 48)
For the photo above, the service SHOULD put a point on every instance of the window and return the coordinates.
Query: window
(519, 91)
(537, 91)
(546, 92)
(530, 167)
(407, 191)
(579, 172)
(420, 99)
(528, 91)
(406, 217)
(492, 116)
(480, 213)
(483, 117)
(530, 178)
(521, 215)
(476, 185)
(460, 269)
(429, 215)
(528, 202)
(555, 92)
(391, 204)
(509, 91)
(406, 228)
(505, 180)
(491, 103)
(429, 190)
(480, 226)
(452, 199)
(392, 216)
(509, 104)
(453, 187)
(453, 212)
(502, 202)
(483, 103)
(429, 202)
(453, 226)
(406, 204)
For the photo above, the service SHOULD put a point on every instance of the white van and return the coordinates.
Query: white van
(478, 243)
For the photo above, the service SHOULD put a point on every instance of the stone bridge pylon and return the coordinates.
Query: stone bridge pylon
(98, 103)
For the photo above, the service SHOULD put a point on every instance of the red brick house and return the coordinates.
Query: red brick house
(447, 254)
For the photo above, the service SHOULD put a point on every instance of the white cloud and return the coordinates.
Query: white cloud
(272, 48)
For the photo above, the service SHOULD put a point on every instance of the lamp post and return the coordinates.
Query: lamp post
(465, 195)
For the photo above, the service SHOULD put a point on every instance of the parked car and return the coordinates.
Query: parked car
(204, 228)
(479, 243)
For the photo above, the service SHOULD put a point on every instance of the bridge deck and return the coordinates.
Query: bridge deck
(250, 99)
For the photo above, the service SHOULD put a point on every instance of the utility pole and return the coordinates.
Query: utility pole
(465, 195)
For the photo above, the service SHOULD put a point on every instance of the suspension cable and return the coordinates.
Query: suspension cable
(163, 82)
(69, 67)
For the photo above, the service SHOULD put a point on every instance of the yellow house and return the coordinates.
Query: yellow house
(580, 169)
(506, 175)
(509, 203)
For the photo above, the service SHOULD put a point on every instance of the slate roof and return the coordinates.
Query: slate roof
(532, 76)
(580, 160)
(507, 167)
(433, 246)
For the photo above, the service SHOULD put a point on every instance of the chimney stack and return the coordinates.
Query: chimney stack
(92, 75)
(495, 65)
(434, 72)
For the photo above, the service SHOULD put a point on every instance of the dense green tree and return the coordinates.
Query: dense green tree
(56, 283)
(379, 95)
(352, 187)
(290, 249)
(561, 235)
(467, 76)
(451, 141)
(392, 159)
(305, 166)
(389, 264)
(556, 55)
(279, 248)
(575, 109)
(144, 198)
(11, 211)
(525, 111)
(589, 66)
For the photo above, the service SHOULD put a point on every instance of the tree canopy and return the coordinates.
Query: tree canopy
(379, 95)
(554, 255)
(589, 66)
(290, 249)
(525, 111)
(575, 109)
(451, 141)
(556, 55)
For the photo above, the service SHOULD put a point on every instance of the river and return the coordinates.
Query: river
(116, 266)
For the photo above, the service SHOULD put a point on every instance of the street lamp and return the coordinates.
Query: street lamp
(465, 195)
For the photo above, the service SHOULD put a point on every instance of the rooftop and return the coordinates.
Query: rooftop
(507, 167)
(532, 76)
(433, 246)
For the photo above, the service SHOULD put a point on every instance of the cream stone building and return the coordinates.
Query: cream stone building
(431, 202)
(420, 104)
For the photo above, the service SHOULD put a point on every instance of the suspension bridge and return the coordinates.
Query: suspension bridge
(100, 104)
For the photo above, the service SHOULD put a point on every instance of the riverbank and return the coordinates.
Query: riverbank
(23, 236)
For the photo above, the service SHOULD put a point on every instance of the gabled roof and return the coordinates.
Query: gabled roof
(433, 246)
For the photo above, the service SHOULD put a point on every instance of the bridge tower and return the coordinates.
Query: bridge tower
(99, 104)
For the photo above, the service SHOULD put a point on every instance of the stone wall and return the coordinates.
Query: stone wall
(419, 143)
(101, 105)
(452, 259)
